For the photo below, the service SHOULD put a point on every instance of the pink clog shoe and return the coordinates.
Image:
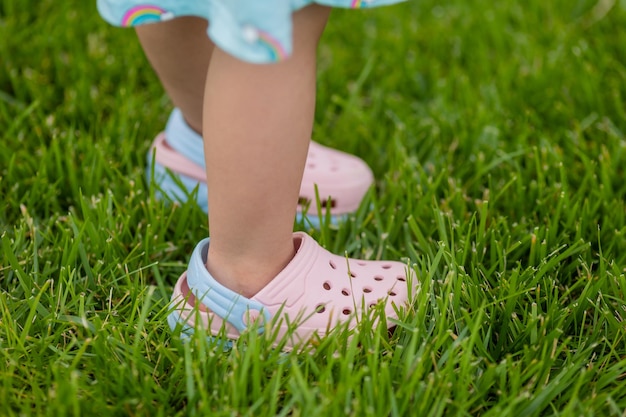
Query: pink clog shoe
(317, 290)
(341, 179)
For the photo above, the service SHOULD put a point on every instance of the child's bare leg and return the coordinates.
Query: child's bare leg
(180, 52)
(258, 121)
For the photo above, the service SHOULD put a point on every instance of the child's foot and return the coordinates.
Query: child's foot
(341, 179)
(317, 289)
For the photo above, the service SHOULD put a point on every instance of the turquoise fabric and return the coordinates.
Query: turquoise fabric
(257, 31)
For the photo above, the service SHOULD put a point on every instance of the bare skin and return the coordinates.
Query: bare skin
(180, 52)
(257, 126)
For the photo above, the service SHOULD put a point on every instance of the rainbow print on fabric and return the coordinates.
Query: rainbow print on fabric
(144, 13)
(356, 4)
(277, 51)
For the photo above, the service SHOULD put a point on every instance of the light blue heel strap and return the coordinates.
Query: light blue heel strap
(183, 139)
(226, 303)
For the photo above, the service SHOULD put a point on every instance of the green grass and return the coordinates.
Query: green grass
(497, 133)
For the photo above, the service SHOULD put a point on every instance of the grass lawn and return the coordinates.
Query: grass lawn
(497, 134)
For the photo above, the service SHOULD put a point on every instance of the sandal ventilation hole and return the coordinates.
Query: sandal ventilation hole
(352, 274)
(325, 203)
(320, 308)
(391, 293)
(367, 290)
(345, 292)
(329, 203)
(360, 263)
(378, 278)
(327, 286)
(346, 312)
(332, 264)
(386, 266)
(401, 278)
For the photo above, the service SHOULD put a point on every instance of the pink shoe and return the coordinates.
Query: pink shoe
(339, 176)
(317, 290)
(342, 177)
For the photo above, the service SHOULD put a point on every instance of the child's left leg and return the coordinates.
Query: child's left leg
(180, 51)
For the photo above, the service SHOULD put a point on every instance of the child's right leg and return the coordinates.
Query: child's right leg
(257, 121)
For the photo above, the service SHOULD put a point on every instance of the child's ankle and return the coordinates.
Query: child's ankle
(246, 275)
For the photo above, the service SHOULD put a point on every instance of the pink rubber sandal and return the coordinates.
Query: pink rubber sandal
(341, 179)
(317, 289)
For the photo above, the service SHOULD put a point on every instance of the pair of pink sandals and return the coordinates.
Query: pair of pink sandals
(316, 292)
